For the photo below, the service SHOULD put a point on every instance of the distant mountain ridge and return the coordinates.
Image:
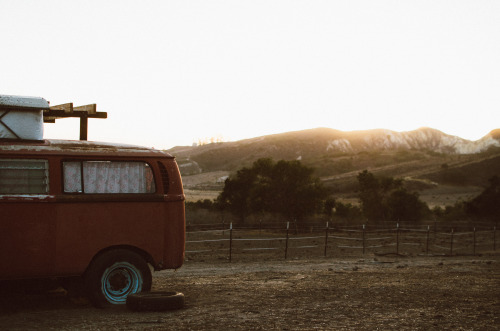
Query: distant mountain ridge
(423, 138)
(323, 147)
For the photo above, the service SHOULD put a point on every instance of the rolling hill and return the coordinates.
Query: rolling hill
(428, 159)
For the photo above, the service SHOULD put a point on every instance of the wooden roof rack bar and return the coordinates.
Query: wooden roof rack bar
(67, 110)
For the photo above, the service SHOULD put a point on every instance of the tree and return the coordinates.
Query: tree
(370, 196)
(347, 211)
(235, 196)
(487, 204)
(286, 187)
(385, 199)
(374, 194)
(329, 205)
(405, 206)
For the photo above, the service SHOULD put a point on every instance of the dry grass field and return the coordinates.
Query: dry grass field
(335, 293)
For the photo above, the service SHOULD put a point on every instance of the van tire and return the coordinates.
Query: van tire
(155, 301)
(114, 275)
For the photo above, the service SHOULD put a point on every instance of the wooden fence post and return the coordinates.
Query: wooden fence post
(326, 237)
(230, 241)
(494, 238)
(451, 242)
(397, 238)
(427, 241)
(363, 239)
(286, 242)
(474, 243)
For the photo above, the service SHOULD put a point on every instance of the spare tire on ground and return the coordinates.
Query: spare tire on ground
(155, 301)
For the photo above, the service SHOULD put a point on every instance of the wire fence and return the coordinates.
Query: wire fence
(277, 241)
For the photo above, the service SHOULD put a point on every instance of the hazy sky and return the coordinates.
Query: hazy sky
(173, 72)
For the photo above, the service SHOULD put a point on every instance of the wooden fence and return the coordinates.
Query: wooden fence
(277, 241)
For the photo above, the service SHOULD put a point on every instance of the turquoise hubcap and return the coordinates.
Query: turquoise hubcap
(120, 280)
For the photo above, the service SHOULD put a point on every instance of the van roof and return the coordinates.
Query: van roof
(77, 147)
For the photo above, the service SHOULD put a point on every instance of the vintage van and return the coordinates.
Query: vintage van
(104, 213)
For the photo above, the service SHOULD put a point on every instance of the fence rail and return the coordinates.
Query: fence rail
(226, 242)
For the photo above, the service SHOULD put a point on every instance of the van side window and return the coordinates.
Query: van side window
(96, 177)
(24, 177)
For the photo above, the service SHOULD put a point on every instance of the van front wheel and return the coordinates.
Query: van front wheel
(115, 275)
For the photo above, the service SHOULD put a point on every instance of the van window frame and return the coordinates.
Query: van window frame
(46, 170)
(82, 193)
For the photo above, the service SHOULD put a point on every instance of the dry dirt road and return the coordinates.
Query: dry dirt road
(368, 293)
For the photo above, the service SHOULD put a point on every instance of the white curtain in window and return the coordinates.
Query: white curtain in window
(72, 177)
(114, 177)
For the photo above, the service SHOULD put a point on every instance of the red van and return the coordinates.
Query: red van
(107, 213)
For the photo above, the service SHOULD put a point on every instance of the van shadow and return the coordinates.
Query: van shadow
(35, 295)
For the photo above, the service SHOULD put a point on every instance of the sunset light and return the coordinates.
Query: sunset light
(177, 72)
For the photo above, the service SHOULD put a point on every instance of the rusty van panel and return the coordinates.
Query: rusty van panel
(60, 238)
(58, 234)
(27, 244)
(85, 228)
(175, 235)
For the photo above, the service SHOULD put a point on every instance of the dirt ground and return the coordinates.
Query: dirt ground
(368, 293)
